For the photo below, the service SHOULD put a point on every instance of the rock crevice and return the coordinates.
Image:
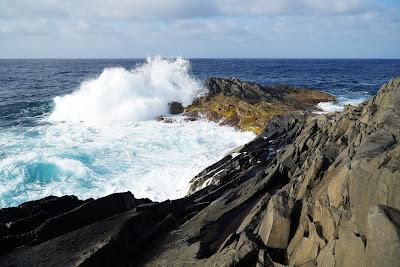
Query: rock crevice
(310, 190)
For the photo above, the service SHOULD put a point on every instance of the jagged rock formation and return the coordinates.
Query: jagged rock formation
(342, 174)
(250, 106)
(310, 190)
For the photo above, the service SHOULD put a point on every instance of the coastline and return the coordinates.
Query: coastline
(249, 106)
(308, 203)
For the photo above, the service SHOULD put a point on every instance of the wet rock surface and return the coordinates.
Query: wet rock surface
(310, 190)
(250, 106)
(175, 108)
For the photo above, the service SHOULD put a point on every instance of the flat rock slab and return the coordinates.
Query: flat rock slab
(71, 249)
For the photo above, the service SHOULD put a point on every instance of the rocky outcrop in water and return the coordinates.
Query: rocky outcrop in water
(250, 106)
(175, 108)
(310, 190)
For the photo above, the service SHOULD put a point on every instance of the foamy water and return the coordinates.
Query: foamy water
(339, 104)
(121, 95)
(151, 159)
(103, 138)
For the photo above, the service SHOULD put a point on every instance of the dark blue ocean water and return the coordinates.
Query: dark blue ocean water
(102, 138)
(27, 87)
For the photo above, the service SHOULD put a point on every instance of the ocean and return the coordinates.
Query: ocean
(86, 126)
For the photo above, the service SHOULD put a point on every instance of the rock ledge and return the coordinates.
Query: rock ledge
(310, 190)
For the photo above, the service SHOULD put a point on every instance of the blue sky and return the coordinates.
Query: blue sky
(203, 28)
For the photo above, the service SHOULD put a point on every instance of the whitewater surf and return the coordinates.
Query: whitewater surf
(102, 138)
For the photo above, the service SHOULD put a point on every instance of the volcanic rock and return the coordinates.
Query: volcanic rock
(310, 190)
(275, 227)
(250, 106)
(175, 108)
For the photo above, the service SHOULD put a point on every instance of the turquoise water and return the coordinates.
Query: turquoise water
(85, 127)
(102, 138)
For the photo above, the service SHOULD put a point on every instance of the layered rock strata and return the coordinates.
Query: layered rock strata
(310, 190)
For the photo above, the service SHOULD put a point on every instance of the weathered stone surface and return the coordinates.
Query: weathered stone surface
(176, 108)
(310, 190)
(349, 242)
(307, 251)
(250, 106)
(275, 226)
(337, 189)
(31, 214)
(264, 260)
(251, 159)
(327, 255)
(383, 236)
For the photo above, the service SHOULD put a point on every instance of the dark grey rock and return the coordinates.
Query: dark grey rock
(176, 108)
(310, 190)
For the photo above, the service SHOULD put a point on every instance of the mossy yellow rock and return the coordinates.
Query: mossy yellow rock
(250, 106)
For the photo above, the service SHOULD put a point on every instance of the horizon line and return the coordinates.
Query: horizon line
(220, 58)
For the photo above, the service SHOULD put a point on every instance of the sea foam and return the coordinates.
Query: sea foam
(103, 138)
(152, 159)
(338, 106)
(121, 95)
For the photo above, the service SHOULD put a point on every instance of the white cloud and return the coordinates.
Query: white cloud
(108, 9)
(176, 9)
(156, 26)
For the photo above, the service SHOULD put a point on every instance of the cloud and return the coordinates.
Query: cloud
(108, 9)
(267, 28)
(176, 9)
(26, 27)
(291, 7)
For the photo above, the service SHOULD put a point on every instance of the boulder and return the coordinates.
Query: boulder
(175, 108)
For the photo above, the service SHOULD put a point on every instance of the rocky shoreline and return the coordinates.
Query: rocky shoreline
(310, 190)
(249, 106)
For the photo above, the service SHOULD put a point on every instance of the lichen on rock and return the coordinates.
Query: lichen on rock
(249, 106)
(309, 190)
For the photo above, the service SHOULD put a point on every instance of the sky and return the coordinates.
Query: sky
(200, 28)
